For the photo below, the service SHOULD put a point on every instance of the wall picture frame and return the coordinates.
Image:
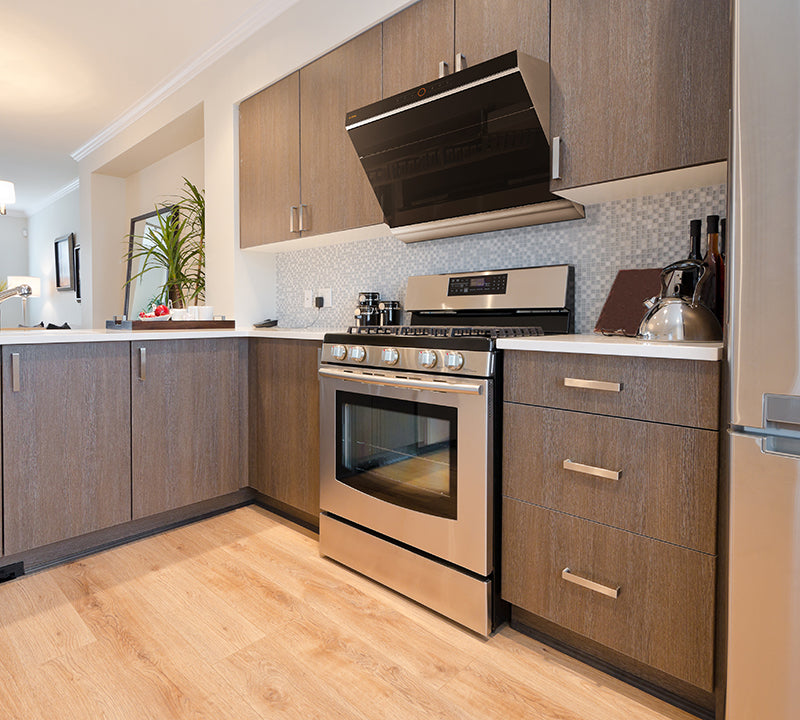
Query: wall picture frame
(65, 262)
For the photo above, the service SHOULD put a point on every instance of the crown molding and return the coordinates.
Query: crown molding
(249, 24)
(72, 185)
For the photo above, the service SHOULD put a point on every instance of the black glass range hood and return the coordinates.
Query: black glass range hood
(468, 152)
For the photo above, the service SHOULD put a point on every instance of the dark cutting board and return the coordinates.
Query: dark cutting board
(623, 310)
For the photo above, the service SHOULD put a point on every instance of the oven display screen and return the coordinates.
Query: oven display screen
(478, 285)
(399, 451)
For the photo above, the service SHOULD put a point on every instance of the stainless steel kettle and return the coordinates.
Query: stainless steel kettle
(678, 319)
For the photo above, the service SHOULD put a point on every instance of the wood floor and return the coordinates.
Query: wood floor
(238, 618)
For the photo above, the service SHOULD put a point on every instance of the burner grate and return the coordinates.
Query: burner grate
(440, 331)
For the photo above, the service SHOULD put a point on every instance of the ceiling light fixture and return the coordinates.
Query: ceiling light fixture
(7, 195)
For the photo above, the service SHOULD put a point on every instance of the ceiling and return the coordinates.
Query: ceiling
(68, 70)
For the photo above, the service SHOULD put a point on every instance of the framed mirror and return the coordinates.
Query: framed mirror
(140, 293)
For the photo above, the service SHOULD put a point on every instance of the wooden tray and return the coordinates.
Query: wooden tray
(170, 325)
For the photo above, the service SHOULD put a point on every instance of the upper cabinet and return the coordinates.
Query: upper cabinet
(335, 192)
(295, 129)
(638, 87)
(420, 38)
(269, 163)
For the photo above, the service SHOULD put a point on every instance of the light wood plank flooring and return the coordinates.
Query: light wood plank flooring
(238, 618)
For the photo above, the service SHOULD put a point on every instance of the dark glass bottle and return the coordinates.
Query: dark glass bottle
(688, 278)
(713, 294)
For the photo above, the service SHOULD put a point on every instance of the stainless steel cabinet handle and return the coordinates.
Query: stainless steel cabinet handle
(444, 69)
(592, 470)
(14, 372)
(557, 158)
(305, 218)
(592, 384)
(461, 62)
(569, 576)
(293, 219)
(142, 363)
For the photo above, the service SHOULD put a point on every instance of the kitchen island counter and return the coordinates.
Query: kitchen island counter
(614, 345)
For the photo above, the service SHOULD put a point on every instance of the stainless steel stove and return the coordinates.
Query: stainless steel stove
(409, 484)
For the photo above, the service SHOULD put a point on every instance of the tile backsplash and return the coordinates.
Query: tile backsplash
(635, 233)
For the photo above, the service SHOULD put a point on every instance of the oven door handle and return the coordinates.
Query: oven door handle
(408, 383)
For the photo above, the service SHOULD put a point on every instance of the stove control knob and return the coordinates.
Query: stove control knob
(357, 353)
(427, 358)
(389, 356)
(338, 352)
(453, 360)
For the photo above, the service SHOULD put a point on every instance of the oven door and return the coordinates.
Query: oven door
(410, 457)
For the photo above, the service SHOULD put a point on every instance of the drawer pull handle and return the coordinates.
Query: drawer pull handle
(569, 576)
(592, 470)
(592, 384)
(14, 372)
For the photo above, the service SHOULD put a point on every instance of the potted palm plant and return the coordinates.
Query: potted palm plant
(175, 245)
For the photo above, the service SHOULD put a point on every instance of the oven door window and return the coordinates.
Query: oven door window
(399, 451)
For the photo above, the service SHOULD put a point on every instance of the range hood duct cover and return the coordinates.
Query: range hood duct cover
(466, 153)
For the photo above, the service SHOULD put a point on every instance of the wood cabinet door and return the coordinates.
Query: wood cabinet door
(284, 421)
(415, 41)
(650, 600)
(638, 87)
(269, 163)
(66, 441)
(335, 192)
(485, 29)
(185, 426)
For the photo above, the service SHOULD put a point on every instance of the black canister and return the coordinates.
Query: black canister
(367, 316)
(389, 312)
(369, 298)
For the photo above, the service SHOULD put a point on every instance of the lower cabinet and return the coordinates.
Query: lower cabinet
(185, 411)
(650, 600)
(66, 441)
(284, 422)
(610, 508)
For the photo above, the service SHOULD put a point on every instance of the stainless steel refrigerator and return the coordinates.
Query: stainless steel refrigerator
(763, 658)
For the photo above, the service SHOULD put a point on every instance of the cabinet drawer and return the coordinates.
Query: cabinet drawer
(663, 614)
(679, 392)
(667, 475)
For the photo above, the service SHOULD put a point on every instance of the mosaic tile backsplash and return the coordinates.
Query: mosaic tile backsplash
(640, 232)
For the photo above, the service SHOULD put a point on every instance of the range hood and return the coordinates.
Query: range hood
(466, 153)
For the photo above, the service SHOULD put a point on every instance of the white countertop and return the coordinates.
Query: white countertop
(40, 337)
(614, 345)
(587, 344)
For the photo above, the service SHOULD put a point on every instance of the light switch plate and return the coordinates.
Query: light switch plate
(308, 299)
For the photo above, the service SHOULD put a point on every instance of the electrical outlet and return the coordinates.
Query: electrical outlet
(327, 296)
(308, 300)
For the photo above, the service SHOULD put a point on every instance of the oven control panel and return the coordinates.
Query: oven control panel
(441, 361)
(478, 285)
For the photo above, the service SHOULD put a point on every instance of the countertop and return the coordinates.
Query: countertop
(587, 344)
(40, 337)
(614, 345)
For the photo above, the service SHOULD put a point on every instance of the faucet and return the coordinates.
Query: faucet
(21, 290)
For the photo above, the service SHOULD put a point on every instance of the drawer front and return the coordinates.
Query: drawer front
(663, 614)
(679, 392)
(653, 479)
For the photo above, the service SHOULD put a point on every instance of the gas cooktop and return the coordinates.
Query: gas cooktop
(445, 331)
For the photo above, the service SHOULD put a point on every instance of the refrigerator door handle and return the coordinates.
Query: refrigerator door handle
(782, 412)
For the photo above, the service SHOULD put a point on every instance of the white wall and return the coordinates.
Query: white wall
(13, 261)
(240, 285)
(56, 220)
(157, 183)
